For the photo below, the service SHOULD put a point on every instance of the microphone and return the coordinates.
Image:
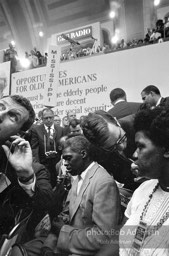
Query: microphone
(69, 39)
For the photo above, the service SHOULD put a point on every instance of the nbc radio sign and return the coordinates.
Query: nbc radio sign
(75, 35)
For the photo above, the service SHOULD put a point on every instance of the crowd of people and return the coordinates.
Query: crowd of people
(154, 35)
(35, 58)
(97, 185)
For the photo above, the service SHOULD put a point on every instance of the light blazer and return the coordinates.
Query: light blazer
(93, 214)
(37, 141)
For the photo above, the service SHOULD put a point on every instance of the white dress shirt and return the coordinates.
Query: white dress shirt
(117, 101)
(81, 177)
(158, 102)
(52, 129)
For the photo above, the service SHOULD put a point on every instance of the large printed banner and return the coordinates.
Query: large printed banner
(30, 84)
(85, 84)
(4, 78)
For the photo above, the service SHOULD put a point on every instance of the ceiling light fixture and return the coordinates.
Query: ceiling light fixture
(112, 14)
(156, 2)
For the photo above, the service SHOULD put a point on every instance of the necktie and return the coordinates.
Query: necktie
(48, 139)
(49, 131)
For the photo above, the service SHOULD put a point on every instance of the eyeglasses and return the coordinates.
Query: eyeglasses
(114, 147)
(120, 141)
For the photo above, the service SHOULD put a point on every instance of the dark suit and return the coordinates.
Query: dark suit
(14, 197)
(38, 139)
(164, 102)
(124, 108)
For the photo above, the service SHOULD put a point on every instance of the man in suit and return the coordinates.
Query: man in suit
(151, 97)
(93, 206)
(74, 126)
(71, 116)
(121, 107)
(44, 142)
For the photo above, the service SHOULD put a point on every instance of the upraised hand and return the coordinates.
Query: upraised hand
(21, 157)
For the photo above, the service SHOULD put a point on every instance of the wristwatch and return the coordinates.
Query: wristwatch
(25, 180)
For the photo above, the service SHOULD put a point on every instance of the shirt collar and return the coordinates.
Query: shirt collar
(158, 102)
(83, 174)
(51, 127)
(117, 101)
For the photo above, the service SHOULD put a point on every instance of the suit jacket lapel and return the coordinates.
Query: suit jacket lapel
(162, 101)
(75, 199)
(44, 130)
(55, 132)
(45, 139)
(72, 196)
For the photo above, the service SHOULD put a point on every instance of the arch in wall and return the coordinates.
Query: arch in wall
(166, 15)
(106, 36)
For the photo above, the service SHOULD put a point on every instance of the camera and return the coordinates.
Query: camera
(51, 154)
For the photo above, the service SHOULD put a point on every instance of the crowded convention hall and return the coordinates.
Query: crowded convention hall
(84, 128)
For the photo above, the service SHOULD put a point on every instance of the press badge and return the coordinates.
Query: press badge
(140, 236)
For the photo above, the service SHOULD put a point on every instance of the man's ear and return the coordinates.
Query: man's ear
(83, 153)
(152, 93)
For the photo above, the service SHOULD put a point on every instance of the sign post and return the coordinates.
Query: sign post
(52, 76)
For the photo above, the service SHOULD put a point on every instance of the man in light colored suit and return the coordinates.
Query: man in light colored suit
(93, 207)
